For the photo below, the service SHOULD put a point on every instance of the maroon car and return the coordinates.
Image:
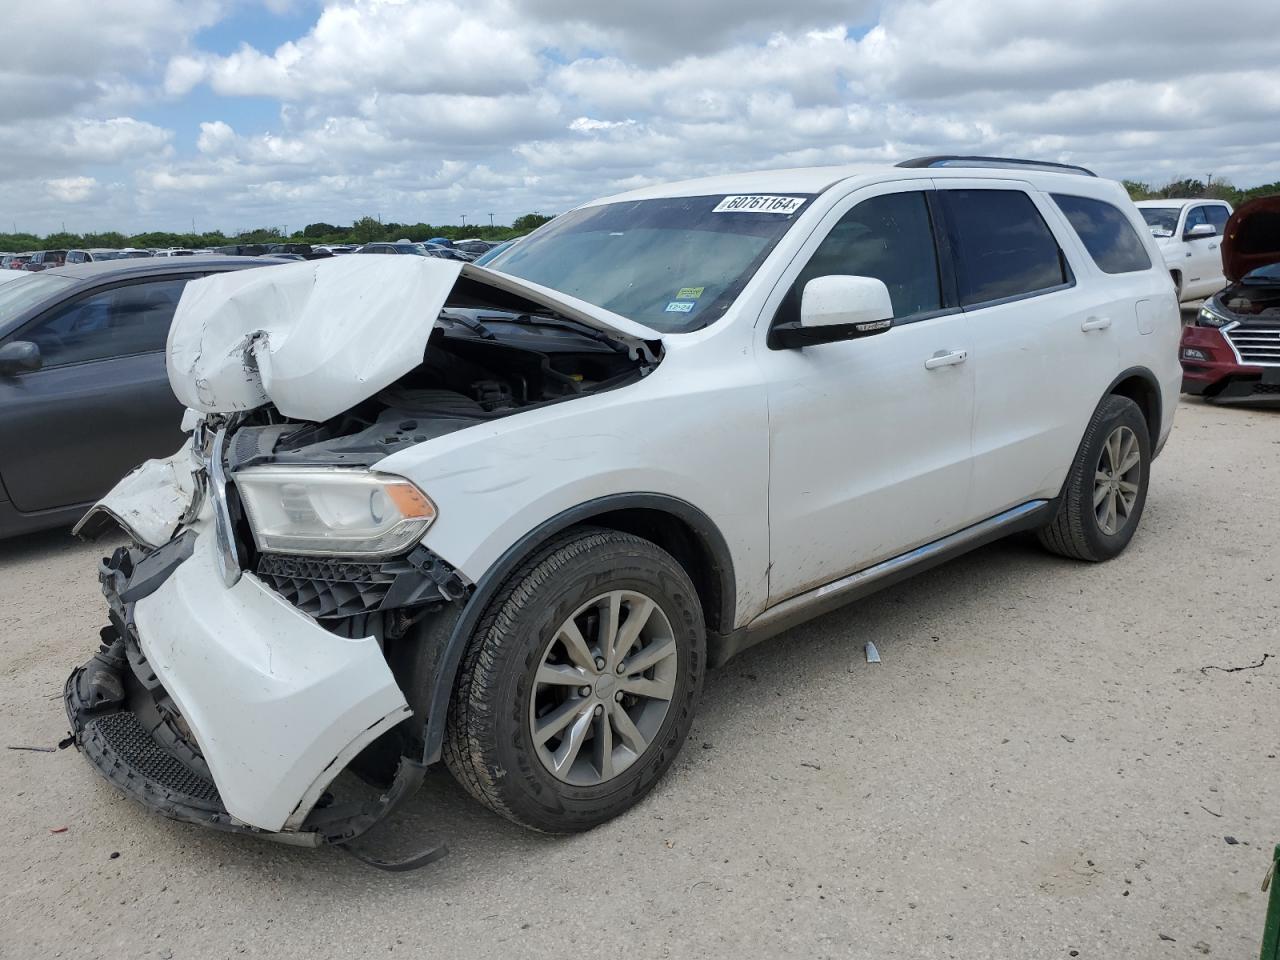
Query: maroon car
(1232, 351)
(14, 261)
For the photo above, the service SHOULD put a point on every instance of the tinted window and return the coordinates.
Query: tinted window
(115, 323)
(1106, 233)
(888, 237)
(1195, 217)
(1003, 248)
(1218, 217)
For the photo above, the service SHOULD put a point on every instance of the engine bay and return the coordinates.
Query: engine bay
(479, 366)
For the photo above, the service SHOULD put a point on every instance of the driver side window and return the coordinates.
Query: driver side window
(889, 237)
(118, 322)
(1195, 217)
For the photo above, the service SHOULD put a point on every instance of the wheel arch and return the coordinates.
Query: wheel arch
(677, 526)
(1141, 386)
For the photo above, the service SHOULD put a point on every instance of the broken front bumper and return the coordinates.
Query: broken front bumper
(227, 706)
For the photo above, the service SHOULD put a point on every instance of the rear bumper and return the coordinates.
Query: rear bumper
(227, 706)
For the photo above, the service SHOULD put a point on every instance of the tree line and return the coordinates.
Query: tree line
(1208, 189)
(364, 230)
(370, 229)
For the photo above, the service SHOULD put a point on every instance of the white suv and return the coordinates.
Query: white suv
(507, 517)
(1189, 233)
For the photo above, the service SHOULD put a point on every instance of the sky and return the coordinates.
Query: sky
(233, 114)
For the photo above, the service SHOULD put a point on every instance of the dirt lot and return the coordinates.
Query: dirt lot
(1039, 768)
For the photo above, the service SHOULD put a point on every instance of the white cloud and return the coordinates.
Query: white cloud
(70, 189)
(423, 110)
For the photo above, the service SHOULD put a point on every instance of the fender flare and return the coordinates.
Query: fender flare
(1156, 397)
(450, 658)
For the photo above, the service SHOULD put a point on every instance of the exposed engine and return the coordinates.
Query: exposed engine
(474, 370)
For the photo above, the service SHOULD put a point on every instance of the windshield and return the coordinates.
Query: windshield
(21, 295)
(1163, 221)
(1268, 274)
(674, 264)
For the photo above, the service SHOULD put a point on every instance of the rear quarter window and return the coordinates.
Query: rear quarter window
(1106, 233)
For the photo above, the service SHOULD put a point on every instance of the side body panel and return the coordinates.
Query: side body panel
(68, 433)
(869, 449)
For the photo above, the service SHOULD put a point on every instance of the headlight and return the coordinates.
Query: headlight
(1212, 316)
(327, 511)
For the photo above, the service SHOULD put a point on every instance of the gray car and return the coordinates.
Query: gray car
(83, 384)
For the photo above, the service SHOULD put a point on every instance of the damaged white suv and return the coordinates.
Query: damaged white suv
(507, 517)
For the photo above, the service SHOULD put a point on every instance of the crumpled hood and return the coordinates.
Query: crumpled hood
(317, 337)
(1251, 238)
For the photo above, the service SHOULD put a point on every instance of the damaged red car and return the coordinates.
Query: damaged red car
(1232, 351)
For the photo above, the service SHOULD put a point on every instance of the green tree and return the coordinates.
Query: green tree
(530, 221)
(366, 230)
(1138, 190)
(316, 231)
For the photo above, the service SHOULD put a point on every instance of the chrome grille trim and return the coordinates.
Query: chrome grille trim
(1254, 344)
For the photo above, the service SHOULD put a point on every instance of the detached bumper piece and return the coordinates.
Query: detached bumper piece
(140, 712)
(152, 764)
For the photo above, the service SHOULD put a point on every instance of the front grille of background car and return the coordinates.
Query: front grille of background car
(1256, 344)
(327, 588)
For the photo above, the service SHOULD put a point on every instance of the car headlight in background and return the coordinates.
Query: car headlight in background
(336, 512)
(1212, 316)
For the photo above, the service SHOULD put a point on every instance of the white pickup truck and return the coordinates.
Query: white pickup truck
(1189, 233)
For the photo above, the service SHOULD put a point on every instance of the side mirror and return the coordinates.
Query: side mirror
(837, 308)
(1200, 231)
(19, 356)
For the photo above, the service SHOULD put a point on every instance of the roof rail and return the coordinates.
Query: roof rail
(1004, 162)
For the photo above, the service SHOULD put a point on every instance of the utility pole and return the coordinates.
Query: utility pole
(464, 221)
(491, 221)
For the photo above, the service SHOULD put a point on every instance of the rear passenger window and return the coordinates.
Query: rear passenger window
(1002, 246)
(889, 237)
(1106, 233)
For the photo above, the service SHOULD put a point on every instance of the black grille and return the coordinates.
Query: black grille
(1266, 388)
(138, 750)
(327, 588)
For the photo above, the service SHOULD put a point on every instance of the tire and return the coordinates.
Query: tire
(1080, 527)
(502, 704)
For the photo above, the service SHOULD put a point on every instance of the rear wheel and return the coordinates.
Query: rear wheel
(580, 683)
(1106, 488)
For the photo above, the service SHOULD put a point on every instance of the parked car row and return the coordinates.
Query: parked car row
(35, 261)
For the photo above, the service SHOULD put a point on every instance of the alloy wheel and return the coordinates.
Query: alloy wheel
(603, 688)
(1116, 480)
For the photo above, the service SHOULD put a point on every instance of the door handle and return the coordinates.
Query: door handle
(1213, 246)
(1096, 323)
(944, 358)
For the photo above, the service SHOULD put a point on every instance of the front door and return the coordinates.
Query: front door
(101, 402)
(869, 439)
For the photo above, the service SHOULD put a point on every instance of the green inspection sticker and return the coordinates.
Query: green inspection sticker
(690, 293)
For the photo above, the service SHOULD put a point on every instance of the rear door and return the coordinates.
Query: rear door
(100, 404)
(1042, 349)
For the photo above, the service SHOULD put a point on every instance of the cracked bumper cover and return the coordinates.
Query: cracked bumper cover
(276, 704)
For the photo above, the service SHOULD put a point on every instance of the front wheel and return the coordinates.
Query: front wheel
(1106, 487)
(580, 683)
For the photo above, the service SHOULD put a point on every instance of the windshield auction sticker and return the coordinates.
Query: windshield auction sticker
(757, 203)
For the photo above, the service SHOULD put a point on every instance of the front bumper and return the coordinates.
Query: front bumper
(1210, 368)
(227, 706)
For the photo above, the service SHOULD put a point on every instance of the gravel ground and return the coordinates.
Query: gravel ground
(1039, 768)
